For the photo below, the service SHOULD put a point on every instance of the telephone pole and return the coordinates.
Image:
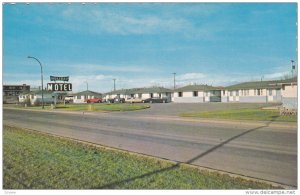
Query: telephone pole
(174, 73)
(114, 84)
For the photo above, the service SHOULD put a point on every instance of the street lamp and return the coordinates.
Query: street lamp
(41, 79)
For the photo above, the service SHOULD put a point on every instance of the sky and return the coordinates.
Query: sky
(143, 44)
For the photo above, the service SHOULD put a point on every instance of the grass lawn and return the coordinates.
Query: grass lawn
(90, 107)
(36, 161)
(244, 114)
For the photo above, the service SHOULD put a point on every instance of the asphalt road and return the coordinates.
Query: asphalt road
(259, 150)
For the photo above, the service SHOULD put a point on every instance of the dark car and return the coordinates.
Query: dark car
(115, 100)
(156, 100)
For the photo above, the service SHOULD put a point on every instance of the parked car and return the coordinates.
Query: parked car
(69, 99)
(156, 100)
(94, 100)
(115, 100)
(134, 100)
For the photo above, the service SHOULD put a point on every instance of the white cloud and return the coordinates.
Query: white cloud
(119, 22)
(112, 68)
(190, 76)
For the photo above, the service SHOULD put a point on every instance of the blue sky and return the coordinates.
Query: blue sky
(142, 44)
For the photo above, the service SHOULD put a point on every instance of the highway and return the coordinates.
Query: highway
(258, 150)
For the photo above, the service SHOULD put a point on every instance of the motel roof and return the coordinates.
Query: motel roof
(140, 90)
(88, 92)
(154, 90)
(197, 88)
(274, 84)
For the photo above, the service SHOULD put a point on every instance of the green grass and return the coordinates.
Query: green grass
(89, 107)
(37, 161)
(244, 114)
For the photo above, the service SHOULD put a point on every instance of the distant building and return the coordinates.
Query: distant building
(197, 94)
(82, 96)
(12, 92)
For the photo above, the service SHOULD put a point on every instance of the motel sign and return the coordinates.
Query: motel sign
(59, 86)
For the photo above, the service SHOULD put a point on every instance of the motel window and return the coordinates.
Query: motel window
(131, 95)
(223, 92)
(179, 94)
(195, 93)
(159, 95)
(237, 93)
(151, 95)
(258, 92)
(140, 95)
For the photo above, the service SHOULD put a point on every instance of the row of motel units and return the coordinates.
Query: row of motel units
(140, 93)
(282, 91)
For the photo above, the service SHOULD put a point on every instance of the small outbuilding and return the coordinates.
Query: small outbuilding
(81, 97)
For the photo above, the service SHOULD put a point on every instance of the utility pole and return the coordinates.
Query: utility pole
(114, 84)
(41, 78)
(174, 73)
(87, 85)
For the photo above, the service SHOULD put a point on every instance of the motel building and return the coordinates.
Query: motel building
(289, 93)
(140, 93)
(35, 97)
(261, 91)
(81, 97)
(197, 94)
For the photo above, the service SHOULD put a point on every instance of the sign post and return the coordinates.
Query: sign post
(59, 87)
